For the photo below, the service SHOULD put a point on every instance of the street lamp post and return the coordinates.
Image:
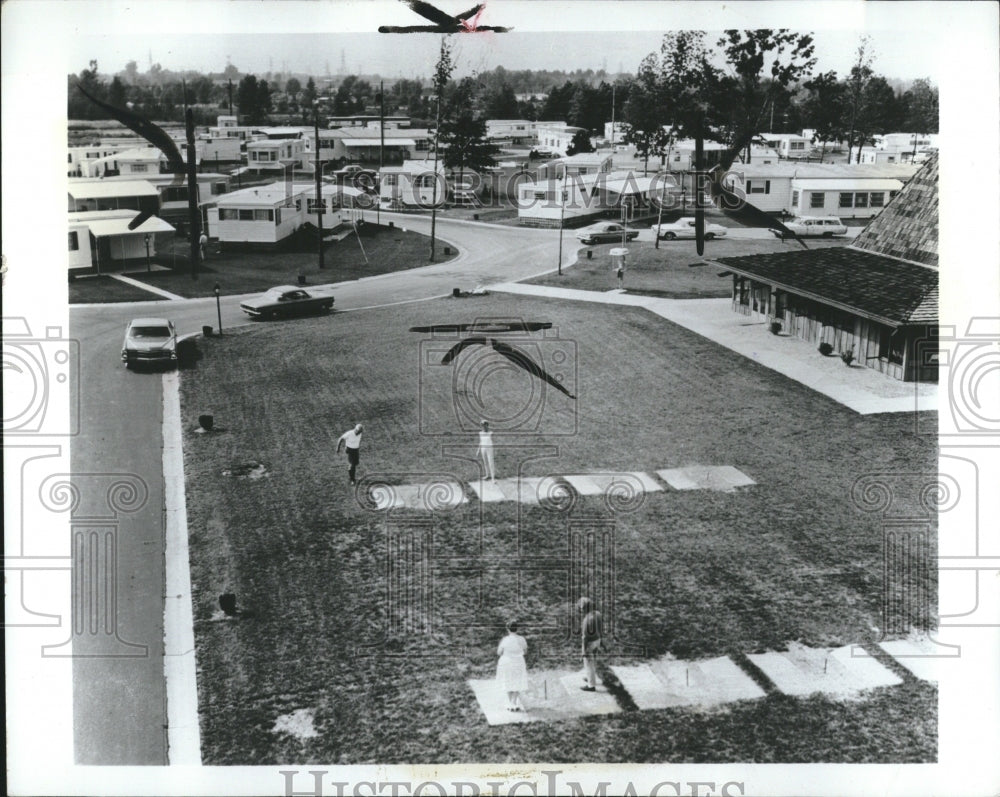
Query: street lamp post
(319, 184)
(562, 218)
(146, 236)
(218, 306)
(434, 190)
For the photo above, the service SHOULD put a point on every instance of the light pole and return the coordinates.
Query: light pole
(319, 184)
(562, 217)
(146, 236)
(218, 306)
(434, 191)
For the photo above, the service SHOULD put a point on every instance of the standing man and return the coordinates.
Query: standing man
(591, 631)
(202, 243)
(485, 451)
(351, 440)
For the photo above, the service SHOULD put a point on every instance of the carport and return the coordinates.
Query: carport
(112, 242)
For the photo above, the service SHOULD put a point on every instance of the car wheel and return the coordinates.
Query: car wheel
(709, 236)
(669, 236)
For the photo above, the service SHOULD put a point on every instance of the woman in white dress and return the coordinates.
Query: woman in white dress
(485, 450)
(512, 672)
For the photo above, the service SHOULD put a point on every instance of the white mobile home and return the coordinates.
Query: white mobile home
(412, 185)
(267, 215)
(101, 240)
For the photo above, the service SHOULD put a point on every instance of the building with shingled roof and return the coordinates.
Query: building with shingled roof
(877, 297)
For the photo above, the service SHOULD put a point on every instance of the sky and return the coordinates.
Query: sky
(586, 34)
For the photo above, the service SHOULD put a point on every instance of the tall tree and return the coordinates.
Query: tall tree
(824, 109)
(293, 88)
(857, 82)
(264, 105)
(247, 98)
(644, 123)
(922, 111)
(878, 113)
(763, 63)
(116, 92)
(308, 99)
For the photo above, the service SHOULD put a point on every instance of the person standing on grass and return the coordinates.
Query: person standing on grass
(485, 450)
(202, 243)
(591, 631)
(620, 271)
(351, 440)
(512, 672)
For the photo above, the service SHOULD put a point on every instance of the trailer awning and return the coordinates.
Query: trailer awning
(104, 228)
(374, 142)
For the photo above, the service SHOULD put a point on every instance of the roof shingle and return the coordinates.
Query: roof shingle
(874, 285)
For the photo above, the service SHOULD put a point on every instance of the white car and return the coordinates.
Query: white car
(606, 232)
(814, 226)
(149, 340)
(684, 228)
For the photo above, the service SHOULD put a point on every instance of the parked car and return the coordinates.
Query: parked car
(355, 176)
(814, 226)
(149, 340)
(605, 232)
(287, 300)
(684, 228)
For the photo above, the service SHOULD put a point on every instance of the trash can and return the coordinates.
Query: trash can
(206, 331)
(302, 279)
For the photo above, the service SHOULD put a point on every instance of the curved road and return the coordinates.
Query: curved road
(119, 703)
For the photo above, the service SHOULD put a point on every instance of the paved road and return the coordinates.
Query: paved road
(120, 703)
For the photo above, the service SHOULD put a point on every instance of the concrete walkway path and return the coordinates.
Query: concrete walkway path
(856, 387)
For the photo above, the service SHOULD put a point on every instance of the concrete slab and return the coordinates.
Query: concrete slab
(600, 483)
(669, 682)
(919, 655)
(725, 478)
(832, 671)
(552, 696)
(487, 491)
(438, 495)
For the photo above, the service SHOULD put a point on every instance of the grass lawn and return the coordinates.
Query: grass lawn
(248, 271)
(665, 271)
(88, 290)
(375, 621)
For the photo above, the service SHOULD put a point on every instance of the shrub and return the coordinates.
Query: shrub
(847, 356)
(775, 327)
(825, 349)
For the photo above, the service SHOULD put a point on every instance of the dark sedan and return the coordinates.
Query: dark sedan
(287, 300)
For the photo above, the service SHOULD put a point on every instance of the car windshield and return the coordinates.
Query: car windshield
(150, 332)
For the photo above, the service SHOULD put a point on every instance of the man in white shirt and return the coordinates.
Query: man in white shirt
(351, 440)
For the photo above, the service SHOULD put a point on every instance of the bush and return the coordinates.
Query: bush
(775, 327)
(847, 356)
(825, 349)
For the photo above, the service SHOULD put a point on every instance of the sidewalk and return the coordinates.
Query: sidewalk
(858, 388)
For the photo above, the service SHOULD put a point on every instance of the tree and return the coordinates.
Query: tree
(878, 113)
(580, 143)
(116, 93)
(308, 99)
(132, 72)
(824, 108)
(861, 73)
(253, 99)
(292, 89)
(644, 115)
(264, 104)
(500, 103)
(763, 63)
(922, 112)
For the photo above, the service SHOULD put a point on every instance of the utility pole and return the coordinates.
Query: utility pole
(319, 184)
(434, 191)
(194, 219)
(381, 141)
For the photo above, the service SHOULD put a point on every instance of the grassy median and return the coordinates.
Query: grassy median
(374, 621)
(666, 271)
